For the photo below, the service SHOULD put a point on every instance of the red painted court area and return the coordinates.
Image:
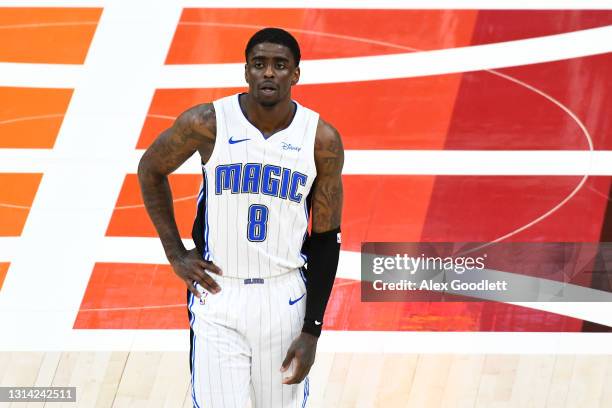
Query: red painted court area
(140, 296)
(518, 108)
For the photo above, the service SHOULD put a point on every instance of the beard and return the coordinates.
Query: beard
(267, 101)
(268, 104)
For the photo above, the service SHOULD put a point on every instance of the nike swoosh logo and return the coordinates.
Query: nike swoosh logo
(318, 323)
(293, 302)
(232, 141)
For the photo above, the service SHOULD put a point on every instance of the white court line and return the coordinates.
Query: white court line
(344, 4)
(408, 65)
(378, 342)
(82, 174)
(479, 162)
(29, 75)
(403, 65)
(364, 162)
(8, 248)
(461, 342)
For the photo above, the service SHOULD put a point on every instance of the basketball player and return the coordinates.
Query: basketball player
(255, 316)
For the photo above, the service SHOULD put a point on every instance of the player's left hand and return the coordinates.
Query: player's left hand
(302, 350)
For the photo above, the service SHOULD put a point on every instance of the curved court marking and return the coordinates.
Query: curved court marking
(573, 116)
(60, 115)
(40, 25)
(175, 200)
(37, 117)
(160, 116)
(15, 206)
(119, 309)
(587, 135)
(303, 31)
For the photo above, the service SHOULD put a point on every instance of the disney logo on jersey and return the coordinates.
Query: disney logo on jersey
(289, 146)
(256, 178)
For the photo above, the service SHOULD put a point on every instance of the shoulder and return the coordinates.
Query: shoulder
(199, 119)
(328, 149)
(327, 137)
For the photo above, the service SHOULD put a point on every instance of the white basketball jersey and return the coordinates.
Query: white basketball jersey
(254, 205)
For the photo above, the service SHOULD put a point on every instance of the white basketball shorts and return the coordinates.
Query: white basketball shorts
(240, 338)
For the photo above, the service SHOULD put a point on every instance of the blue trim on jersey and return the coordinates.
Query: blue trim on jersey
(304, 257)
(193, 351)
(206, 227)
(244, 115)
(306, 391)
(200, 195)
(192, 317)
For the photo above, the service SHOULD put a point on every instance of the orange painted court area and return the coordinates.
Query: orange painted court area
(4, 266)
(30, 118)
(17, 193)
(46, 35)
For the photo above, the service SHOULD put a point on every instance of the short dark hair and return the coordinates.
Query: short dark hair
(275, 36)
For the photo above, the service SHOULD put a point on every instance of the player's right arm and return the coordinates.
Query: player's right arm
(194, 130)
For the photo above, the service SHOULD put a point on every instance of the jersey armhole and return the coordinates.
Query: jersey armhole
(219, 117)
(314, 122)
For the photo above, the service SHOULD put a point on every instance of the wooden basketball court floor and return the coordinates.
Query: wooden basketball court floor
(161, 379)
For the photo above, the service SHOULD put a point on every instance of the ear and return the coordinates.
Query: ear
(246, 73)
(296, 76)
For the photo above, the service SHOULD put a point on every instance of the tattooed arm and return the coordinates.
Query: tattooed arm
(327, 195)
(324, 249)
(194, 130)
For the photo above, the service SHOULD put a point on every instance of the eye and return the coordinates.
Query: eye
(258, 64)
(281, 65)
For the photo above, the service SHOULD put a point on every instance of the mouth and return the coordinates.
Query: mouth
(267, 89)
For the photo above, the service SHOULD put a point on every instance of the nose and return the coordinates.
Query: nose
(269, 72)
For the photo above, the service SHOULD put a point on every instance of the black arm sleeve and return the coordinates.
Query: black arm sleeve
(323, 254)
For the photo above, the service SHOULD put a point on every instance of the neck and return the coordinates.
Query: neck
(268, 119)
